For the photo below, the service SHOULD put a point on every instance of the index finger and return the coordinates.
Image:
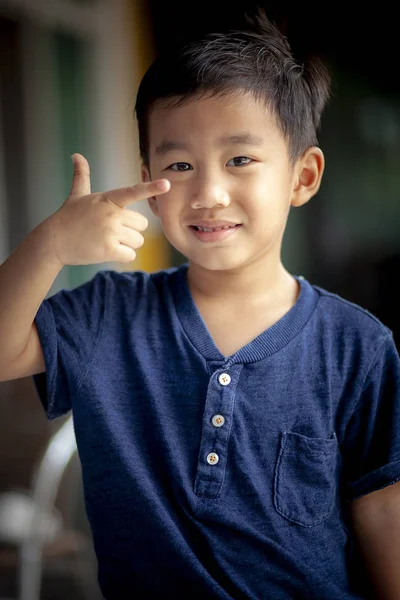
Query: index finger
(141, 191)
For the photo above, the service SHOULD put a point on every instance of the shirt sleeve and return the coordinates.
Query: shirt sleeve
(372, 443)
(69, 326)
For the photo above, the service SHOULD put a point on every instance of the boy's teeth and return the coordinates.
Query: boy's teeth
(215, 228)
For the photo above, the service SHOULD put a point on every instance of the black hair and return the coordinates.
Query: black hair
(256, 59)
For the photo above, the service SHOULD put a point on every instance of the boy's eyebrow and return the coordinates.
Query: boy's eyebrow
(248, 139)
(169, 145)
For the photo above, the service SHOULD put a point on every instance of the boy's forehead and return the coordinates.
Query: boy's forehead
(238, 118)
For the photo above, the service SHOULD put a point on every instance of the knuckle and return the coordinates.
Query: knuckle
(139, 240)
(106, 198)
(111, 225)
(140, 226)
(134, 190)
(140, 222)
(108, 245)
(135, 240)
(81, 169)
(128, 257)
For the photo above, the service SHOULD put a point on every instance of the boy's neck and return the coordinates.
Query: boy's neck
(253, 283)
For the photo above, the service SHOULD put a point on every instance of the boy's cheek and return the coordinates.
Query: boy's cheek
(163, 206)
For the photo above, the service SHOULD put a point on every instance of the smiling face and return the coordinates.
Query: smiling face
(230, 172)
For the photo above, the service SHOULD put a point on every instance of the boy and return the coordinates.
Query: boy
(237, 426)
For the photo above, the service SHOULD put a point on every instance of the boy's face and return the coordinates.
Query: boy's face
(228, 165)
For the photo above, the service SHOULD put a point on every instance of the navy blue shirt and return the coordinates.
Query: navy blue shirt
(221, 477)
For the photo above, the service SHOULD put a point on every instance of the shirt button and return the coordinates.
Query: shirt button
(212, 458)
(224, 379)
(218, 420)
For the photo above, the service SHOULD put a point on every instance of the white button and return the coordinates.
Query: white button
(212, 458)
(224, 379)
(218, 420)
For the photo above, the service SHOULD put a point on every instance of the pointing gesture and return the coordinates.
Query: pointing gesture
(94, 228)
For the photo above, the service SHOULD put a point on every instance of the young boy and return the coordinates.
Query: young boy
(238, 428)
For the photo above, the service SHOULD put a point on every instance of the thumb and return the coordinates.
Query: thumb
(81, 177)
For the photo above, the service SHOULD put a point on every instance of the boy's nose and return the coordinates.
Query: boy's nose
(210, 196)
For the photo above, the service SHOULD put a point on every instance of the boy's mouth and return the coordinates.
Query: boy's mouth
(216, 233)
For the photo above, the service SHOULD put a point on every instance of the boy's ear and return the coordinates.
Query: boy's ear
(153, 200)
(308, 174)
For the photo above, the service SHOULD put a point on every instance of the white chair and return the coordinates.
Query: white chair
(43, 525)
(29, 520)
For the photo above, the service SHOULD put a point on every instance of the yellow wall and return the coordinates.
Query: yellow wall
(155, 253)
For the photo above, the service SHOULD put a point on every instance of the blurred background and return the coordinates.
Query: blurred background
(69, 71)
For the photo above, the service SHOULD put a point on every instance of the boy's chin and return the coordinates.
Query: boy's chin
(215, 263)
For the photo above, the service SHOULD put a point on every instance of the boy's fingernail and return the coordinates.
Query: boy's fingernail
(163, 185)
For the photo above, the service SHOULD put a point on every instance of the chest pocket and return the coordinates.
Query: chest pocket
(305, 478)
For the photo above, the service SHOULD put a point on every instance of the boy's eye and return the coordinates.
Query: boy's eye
(240, 161)
(180, 166)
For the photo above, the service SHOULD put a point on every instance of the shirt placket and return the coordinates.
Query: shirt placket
(216, 428)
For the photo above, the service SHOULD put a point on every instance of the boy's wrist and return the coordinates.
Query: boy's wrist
(42, 237)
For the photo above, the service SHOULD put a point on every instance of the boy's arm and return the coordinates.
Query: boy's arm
(87, 229)
(376, 521)
(25, 279)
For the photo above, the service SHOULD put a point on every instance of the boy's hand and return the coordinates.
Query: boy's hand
(95, 228)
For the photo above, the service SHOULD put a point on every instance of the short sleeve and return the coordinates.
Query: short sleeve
(371, 451)
(69, 326)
